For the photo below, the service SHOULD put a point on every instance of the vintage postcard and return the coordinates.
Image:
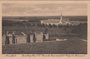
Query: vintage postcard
(44, 29)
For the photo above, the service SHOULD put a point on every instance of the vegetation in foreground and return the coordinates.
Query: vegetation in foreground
(53, 47)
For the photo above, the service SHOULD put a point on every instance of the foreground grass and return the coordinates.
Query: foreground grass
(56, 47)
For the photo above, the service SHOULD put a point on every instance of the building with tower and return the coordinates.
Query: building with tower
(60, 21)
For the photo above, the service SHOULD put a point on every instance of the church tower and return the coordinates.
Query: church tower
(61, 17)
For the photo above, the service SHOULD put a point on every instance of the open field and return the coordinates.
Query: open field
(53, 47)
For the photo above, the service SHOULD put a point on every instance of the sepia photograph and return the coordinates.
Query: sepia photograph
(44, 28)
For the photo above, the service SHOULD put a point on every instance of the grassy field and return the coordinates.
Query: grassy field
(53, 47)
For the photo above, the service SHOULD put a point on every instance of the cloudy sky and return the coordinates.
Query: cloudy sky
(44, 9)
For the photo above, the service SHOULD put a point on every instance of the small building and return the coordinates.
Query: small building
(39, 36)
(20, 37)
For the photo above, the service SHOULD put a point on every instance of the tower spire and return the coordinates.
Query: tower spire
(60, 9)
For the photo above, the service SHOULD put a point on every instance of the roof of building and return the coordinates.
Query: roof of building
(55, 21)
(51, 21)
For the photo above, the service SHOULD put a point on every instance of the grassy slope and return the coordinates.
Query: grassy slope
(56, 47)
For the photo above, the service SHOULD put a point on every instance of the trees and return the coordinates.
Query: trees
(7, 40)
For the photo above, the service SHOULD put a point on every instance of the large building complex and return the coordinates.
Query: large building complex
(60, 21)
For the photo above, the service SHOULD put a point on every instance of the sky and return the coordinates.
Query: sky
(44, 9)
